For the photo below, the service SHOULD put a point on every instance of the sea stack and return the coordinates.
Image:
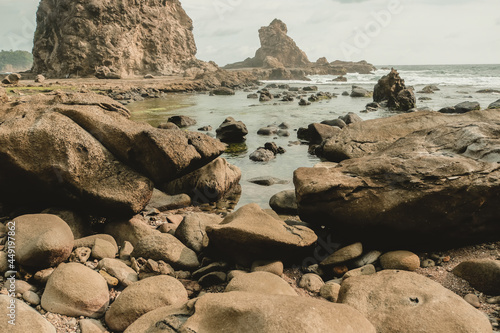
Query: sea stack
(130, 37)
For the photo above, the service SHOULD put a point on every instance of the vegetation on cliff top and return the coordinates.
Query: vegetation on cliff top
(14, 61)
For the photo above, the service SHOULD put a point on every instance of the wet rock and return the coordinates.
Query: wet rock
(495, 105)
(482, 275)
(223, 91)
(42, 240)
(250, 234)
(303, 102)
(345, 93)
(269, 130)
(205, 128)
(284, 202)
(360, 92)
(252, 96)
(396, 301)
(260, 282)
(143, 297)
(392, 88)
(267, 181)
(426, 90)
(75, 290)
(467, 107)
(262, 155)
(317, 133)
(232, 131)
(265, 96)
(182, 121)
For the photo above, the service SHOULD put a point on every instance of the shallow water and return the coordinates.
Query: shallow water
(212, 110)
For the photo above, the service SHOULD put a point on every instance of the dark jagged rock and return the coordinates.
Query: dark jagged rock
(232, 131)
(392, 88)
(182, 121)
(130, 39)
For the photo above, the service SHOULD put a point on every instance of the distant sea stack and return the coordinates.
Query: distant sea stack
(130, 37)
(278, 50)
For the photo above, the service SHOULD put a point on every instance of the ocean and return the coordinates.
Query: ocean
(457, 83)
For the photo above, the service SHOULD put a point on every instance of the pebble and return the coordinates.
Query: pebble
(472, 300)
(31, 297)
(426, 263)
(110, 280)
(311, 282)
(330, 291)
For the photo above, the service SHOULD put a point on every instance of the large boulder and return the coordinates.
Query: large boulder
(42, 240)
(251, 234)
(248, 312)
(392, 88)
(82, 149)
(209, 183)
(24, 317)
(155, 37)
(143, 297)
(12, 79)
(424, 189)
(399, 301)
(75, 290)
(483, 275)
(367, 137)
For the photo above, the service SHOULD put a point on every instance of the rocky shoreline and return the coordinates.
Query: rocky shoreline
(154, 261)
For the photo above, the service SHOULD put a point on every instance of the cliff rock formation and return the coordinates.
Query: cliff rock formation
(278, 51)
(130, 37)
(276, 46)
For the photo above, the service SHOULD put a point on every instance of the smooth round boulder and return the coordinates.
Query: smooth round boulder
(401, 301)
(483, 275)
(249, 313)
(260, 282)
(344, 254)
(404, 260)
(143, 297)
(284, 202)
(26, 318)
(42, 240)
(75, 290)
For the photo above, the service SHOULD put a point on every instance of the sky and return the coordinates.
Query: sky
(382, 32)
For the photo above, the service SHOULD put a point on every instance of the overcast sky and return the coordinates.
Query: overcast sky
(392, 32)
